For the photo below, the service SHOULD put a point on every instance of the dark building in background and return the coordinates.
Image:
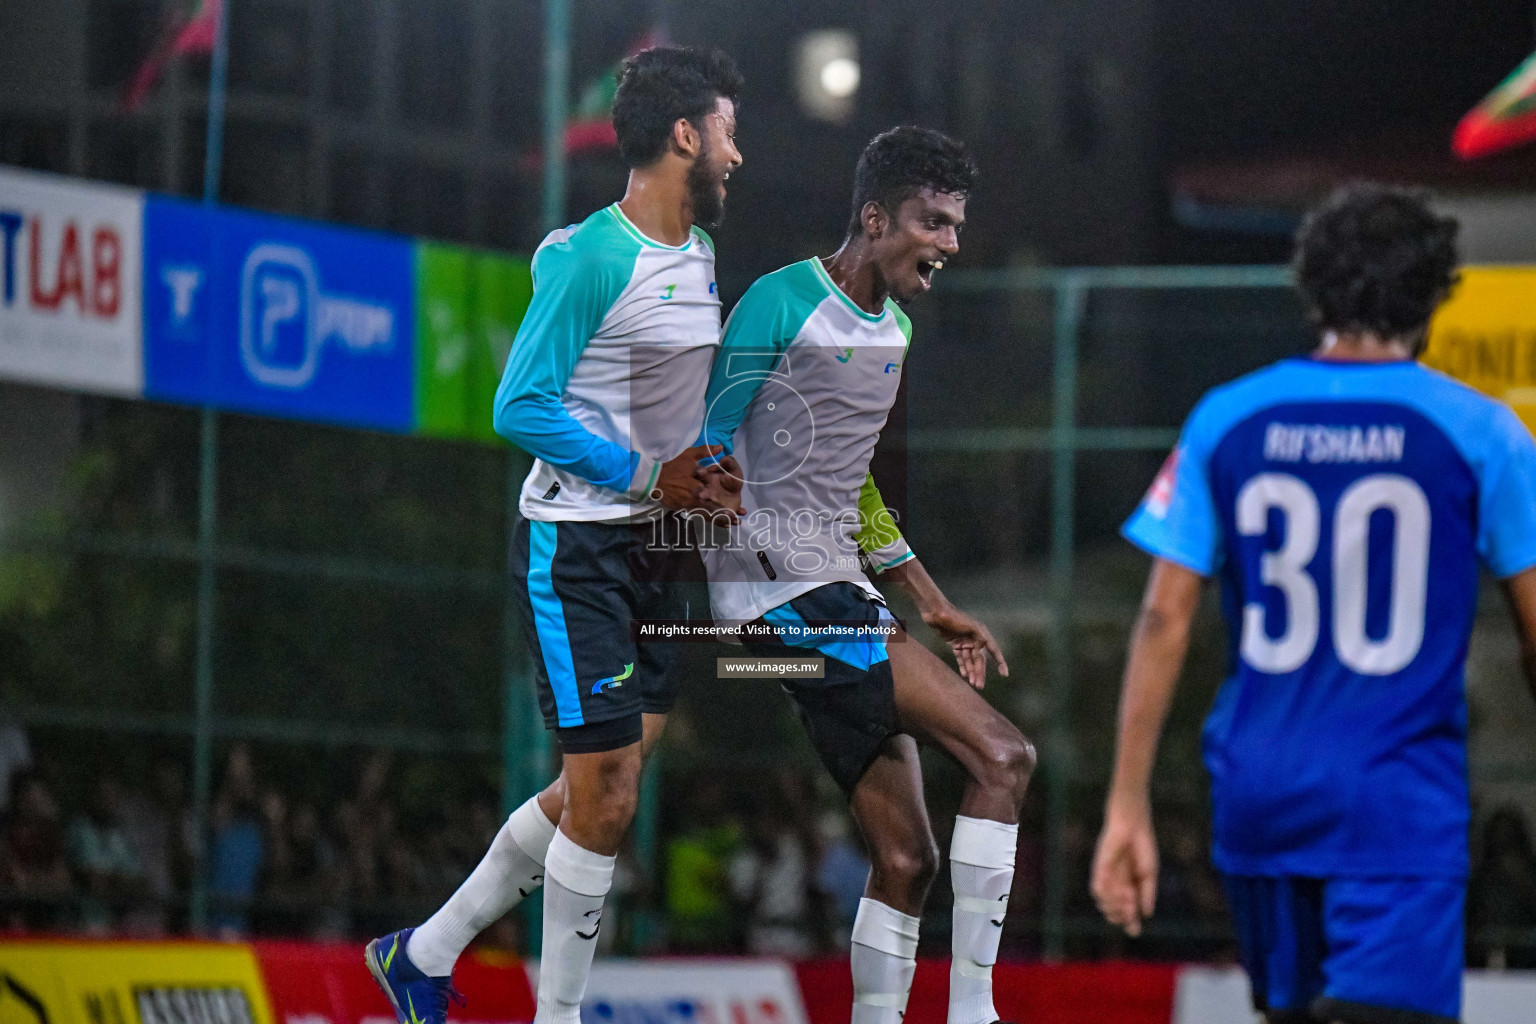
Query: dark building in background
(423, 116)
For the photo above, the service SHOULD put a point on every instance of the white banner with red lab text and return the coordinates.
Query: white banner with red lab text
(70, 285)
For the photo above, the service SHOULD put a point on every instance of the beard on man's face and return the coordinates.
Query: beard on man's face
(704, 190)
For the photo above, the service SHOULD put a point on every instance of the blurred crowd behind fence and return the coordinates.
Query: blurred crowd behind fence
(365, 703)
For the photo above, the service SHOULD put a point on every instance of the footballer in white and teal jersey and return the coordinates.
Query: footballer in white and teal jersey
(804, 381)
(1345, 501)
(801, 390)
(604, 386)
(605, 381)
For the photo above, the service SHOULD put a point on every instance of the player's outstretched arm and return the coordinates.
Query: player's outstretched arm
(1521, 591)
(970, 640)
(1125, 865)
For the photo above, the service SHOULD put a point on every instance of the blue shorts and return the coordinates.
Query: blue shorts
(1355, 950)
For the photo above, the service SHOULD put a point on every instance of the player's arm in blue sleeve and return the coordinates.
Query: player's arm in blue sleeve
(573, 291)
(1506, 505)
(1177, 519)
(1506, 534)
(756, 335)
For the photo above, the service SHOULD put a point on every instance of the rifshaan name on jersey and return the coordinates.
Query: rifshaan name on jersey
(801, 389)
(1345, 507)
(606, 377)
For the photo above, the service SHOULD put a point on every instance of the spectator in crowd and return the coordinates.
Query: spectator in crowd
(109, 871)
(15, 755)
(33, 869)
(841, 874)
(1502, 896)
(1021, 935)
(315, 876)
(771, 875)
(698, 895)
(158, 828)
(238, 847)
(1189, 891)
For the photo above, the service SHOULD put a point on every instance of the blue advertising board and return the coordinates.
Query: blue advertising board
(277, 316)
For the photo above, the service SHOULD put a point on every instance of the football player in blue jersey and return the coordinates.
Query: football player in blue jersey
(1345, 500)
(605, 387)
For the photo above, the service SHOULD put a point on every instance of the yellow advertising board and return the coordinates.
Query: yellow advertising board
(1486, 335)
(130, 983)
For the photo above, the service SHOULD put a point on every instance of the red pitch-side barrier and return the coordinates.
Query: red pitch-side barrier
(1126, 993)
(106, 982)
(328, 984)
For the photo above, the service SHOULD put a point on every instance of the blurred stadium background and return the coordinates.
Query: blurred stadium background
(221, 633)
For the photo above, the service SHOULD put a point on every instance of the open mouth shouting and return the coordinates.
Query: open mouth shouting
(925, 269)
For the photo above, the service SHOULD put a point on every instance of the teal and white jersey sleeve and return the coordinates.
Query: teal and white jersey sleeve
(799, 394)
(606, 377)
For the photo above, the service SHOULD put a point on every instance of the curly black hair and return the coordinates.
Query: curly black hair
(660, 85)
(1375, 259)
(900, 163)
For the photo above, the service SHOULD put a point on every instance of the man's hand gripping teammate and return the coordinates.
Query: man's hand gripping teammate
(701, 479)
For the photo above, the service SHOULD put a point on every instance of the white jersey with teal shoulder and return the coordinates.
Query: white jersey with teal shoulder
(799, 394)
(606, 377)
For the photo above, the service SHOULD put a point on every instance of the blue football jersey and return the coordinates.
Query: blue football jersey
(1345, 507)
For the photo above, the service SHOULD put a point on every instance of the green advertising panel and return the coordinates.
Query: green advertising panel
(443, 318)
(503, 287)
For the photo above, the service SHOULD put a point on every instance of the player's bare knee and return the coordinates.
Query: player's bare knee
(907, 867)
(610, 815)
(1007, 761)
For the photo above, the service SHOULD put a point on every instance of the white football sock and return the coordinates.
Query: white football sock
(511, 869)
(981, 867)
(883, 957)
(575, 882)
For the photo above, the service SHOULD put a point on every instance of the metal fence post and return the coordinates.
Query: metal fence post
(1071, 298)
(202, 728)
(525, 752)
(207, 517)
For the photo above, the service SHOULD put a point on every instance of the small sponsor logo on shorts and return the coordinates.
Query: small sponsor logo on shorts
(613, 682)
(554, 489)
(767, 565)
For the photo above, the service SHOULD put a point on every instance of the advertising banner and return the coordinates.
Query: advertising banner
(693, 992)
(131, 983)
(503, 287)
(1089, 993)
(443, 315)
(1486, 335)
(311, 983)
(278, 316)
(70, 283)
(108, 290)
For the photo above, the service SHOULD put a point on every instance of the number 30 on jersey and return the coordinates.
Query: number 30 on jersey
(1286, 570)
